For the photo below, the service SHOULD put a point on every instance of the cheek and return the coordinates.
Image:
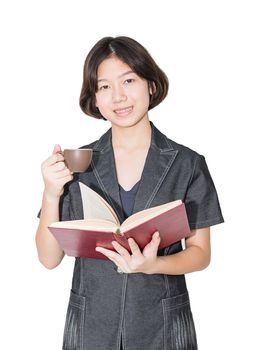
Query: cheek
(101, 101)
(142, 96)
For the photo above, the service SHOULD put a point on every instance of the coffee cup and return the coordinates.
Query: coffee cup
(77, 160)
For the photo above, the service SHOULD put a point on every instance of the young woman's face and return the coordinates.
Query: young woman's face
(122, 96)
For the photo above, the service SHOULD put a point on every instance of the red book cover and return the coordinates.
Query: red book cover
(77, 241)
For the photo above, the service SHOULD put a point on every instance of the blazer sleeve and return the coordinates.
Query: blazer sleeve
(201, 200)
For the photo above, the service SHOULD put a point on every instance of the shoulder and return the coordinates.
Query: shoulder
(186, 158)
(165, 144)
(185, 151)
(90, 145)
(185, 155)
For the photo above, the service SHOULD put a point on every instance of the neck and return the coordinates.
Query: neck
(130, 138)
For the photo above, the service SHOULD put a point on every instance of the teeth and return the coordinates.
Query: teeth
(123, 110)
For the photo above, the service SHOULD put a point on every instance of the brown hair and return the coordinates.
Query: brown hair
(135, 56)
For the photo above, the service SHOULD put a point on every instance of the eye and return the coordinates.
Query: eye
(129, 81)
(104, 87)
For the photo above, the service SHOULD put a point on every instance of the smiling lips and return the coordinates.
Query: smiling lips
(123, 111)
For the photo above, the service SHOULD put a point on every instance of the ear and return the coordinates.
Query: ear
(152, 88)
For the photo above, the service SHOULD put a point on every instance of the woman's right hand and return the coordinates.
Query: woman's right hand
(55, 174)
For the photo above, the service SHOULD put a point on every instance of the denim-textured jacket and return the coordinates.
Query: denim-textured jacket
(149, 312)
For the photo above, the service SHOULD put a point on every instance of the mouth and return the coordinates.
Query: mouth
(123, 111)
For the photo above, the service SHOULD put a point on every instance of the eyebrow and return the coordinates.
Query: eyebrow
(120, 76)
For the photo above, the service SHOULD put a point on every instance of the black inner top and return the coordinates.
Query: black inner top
(128, 199)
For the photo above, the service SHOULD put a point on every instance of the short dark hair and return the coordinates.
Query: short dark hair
(135, 56)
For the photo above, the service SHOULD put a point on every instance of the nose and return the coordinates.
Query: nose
(118, 95)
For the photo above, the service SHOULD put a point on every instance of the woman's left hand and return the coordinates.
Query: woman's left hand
(137, 261)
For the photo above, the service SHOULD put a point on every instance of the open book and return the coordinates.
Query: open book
(101, 226)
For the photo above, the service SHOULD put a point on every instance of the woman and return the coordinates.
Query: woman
(130, 301)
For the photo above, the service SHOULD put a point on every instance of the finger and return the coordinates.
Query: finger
(56, 149)
(156, 236)
(58, 166)
(115, 257)
(155, 240)
(108, 253)
(121, 250)
(58, 174)
(66, 179)
(152, 247)
(61, 175)
(60, 157)
(53, 159)
(134, 247)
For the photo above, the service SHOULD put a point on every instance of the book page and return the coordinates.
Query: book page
(87, 224)
(146, 214)
(95, 207)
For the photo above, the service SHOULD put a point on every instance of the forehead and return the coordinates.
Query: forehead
(112, 68)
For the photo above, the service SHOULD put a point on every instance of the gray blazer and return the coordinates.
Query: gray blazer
(149, 312)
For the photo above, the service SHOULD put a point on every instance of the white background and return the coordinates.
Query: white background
(207, 49)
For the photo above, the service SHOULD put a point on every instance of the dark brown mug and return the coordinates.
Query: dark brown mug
(77, 160)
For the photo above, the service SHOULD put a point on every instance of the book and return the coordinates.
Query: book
(101, 226)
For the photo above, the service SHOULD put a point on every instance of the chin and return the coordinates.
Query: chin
(126, 121)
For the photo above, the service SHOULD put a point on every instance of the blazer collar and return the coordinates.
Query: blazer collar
(159, 160)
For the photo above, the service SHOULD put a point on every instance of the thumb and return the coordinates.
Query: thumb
(57, 149)
(156, 238)
(156, 235)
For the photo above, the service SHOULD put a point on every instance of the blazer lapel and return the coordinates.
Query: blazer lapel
(159, 160)
(104, 169)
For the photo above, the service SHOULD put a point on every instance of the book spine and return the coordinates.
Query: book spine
(118, 231)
